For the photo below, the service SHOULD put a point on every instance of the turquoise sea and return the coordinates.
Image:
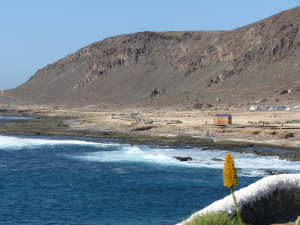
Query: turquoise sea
(63, 180)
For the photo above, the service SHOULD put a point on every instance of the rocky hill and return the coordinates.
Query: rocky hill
(249, 65)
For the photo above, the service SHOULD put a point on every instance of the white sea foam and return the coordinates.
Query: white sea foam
(249, 165)
(15, 143)
(14, 118)
(127, 153)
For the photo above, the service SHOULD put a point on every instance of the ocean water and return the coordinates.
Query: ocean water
(63, 180)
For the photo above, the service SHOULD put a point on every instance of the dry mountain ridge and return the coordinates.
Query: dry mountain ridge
(256, 63)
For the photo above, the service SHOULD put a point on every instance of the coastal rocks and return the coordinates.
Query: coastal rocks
(183, 159)
(142, 128)
(274, 172)
(63, 125)
(292, 156)
(217, 160)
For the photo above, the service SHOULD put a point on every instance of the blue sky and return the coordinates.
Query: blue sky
(35, 33)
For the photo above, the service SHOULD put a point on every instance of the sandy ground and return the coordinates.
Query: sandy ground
(280, 128)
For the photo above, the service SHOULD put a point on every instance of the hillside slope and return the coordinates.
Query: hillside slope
(256, 63)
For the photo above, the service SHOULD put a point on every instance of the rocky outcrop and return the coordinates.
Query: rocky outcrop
(269, 200)
(266, 41)
(183, 159)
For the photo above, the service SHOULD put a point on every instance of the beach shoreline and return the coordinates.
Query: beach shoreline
(163, 126)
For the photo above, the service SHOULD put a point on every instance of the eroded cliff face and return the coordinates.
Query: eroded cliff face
(267, 41)
(211, 56)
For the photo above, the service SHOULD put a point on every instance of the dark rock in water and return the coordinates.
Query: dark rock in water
(250, 151)
(183, 158)
(274, 172)
(215, 159)
(269, 172)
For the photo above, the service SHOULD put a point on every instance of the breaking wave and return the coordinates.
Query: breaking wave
(247, 164)
(15, 143)
(250, 165)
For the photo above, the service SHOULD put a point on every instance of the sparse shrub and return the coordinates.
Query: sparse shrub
(197, 106)
(265, 123)
(292, 121)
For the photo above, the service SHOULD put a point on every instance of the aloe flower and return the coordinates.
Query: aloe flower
(230, 180)
(229, 172)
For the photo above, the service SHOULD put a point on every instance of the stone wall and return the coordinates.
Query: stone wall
(280, 206)
(273, 199)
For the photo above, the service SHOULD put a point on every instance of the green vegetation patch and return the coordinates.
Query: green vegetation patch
(213, 218)
(292, 121)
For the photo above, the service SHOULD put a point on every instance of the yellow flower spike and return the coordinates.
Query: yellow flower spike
(229, 172)
(230, 180)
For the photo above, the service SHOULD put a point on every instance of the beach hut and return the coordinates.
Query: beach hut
(222, 119)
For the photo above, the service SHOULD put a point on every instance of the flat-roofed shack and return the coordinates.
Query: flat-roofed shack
(223, 119)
